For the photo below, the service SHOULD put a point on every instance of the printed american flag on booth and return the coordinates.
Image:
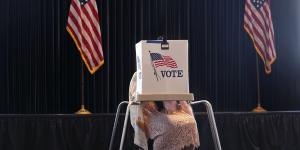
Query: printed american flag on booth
(161, 60)
(84, 27)
(259, 25)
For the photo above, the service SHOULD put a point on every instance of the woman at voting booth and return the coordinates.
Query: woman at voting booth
(161, 86)
(170, 124)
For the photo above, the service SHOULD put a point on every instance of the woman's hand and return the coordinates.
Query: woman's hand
(148, 109)
(186, 107)
(170, 106)
(149, 106)
(142, 124)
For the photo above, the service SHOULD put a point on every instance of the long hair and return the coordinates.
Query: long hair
(159, 105)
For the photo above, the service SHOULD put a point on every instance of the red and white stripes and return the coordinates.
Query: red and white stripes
(84, 27)
(258, 23)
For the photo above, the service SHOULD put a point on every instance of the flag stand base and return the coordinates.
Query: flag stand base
(83, 111)
(258, 108)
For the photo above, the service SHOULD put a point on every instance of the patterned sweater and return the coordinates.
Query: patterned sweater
(173, 131)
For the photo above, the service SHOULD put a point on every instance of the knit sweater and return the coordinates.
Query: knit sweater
(173, 131)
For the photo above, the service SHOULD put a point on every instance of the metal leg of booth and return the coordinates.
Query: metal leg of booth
(115, 124)
(212, 122)
(210, 114)
(125, 123)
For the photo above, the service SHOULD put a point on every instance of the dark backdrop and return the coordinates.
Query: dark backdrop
(40, 66)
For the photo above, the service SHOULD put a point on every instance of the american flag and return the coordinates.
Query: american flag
(161, 60)
(83, 26)
(258, 24)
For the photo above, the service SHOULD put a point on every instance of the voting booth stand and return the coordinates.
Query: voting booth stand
(162, 75)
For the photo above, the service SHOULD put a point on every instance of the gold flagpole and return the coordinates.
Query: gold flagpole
(258, 108)
(82, 110)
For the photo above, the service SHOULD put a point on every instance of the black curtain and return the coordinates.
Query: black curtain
(237, 131)
(40, 66)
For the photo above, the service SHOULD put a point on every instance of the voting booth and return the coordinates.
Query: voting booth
(162, 74)
(162, 70)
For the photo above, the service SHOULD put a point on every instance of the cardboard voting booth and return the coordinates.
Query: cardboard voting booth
(162, 74)
(162, 70)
